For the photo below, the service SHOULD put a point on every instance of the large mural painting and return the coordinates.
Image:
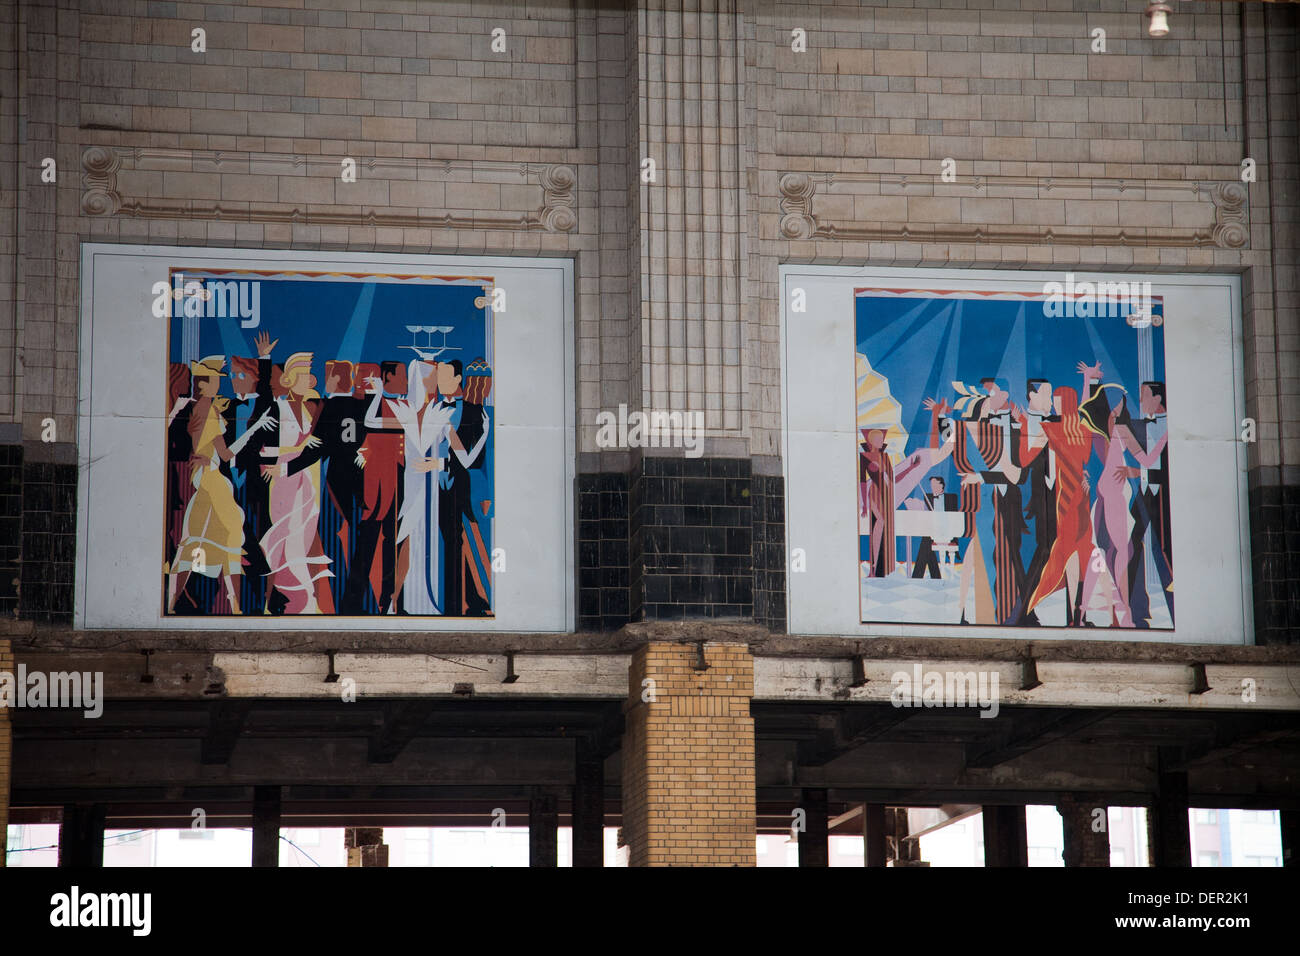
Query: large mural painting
(329, 444)
(1013, 465)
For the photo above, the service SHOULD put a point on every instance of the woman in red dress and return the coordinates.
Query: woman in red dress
(1072, 442)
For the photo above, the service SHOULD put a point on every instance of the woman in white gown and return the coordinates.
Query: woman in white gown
(425, 422)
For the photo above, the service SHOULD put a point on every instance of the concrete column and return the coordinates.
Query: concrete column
(1290, 821)
(81, 836)
(543, 839)
(688, 756)
(266, 826)
(1006, 842)
(589, 808)
(814, 841)
(365, 846)
(1170, 829)
(873, 834)
(1085, 844)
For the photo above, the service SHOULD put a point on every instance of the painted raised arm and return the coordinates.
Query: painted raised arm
(261, 424)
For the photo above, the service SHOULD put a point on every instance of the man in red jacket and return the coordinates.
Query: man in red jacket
(384, 457)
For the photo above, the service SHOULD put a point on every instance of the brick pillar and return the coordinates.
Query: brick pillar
(688, 757)
(1006, 842)
(1085, 845)
(6, 751)
(365, 846)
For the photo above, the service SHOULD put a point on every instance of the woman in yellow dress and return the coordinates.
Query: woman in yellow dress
(214, 523)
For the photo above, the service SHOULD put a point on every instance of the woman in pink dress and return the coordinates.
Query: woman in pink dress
(1111, 519)
(299, 567)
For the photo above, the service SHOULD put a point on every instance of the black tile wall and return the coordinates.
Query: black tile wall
(1275, 562)
(692, 538)
(767, 495)
(48, 495)
(604, 570)
(681, 538)
(11, 524)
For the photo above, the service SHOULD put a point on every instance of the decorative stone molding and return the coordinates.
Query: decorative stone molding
(99, 165)
(1231, 229)
(796, 203)
(557, 213)
(1179, 213)
(103, 197)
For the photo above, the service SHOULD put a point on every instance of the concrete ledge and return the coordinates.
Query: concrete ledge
(1081, 683)
(196, 675)
(762, 643)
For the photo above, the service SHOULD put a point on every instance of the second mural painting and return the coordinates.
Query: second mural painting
(1013, 460)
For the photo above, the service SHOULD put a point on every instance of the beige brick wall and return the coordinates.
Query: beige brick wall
(688, 757)
(379, 73)
(241, 146)
(677, 303)
(1014, 94)
(984, 82)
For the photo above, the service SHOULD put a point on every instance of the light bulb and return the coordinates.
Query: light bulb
(1158, 14)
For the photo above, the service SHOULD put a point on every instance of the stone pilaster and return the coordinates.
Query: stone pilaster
(690, 103)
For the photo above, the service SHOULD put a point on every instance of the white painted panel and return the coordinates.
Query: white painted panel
(1204, 378)
(123, 441)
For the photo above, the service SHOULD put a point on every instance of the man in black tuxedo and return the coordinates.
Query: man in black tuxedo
(251, 381)
(936, 500)
(341, 431)
(1041, 478)
(1150, 508)
(462, 451)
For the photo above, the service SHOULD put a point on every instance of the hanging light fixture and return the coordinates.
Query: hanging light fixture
(1158, 14)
